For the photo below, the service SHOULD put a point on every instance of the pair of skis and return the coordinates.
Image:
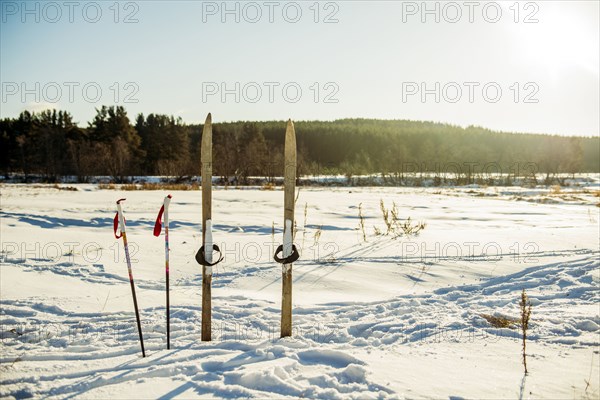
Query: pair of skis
(288, 250)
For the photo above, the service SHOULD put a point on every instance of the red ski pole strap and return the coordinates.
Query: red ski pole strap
(158, 223)
(116, 226)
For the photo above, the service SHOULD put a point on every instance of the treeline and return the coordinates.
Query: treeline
(50, 144)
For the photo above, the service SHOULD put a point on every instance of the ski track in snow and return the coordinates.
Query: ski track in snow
(50, 350)
(315, 364)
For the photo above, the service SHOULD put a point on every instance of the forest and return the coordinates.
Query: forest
(50, 145)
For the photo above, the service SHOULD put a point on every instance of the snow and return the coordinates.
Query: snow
(386, 318)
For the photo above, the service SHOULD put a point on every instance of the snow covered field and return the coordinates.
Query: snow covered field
(389, 317)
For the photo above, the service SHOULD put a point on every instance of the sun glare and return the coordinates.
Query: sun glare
(562, 38)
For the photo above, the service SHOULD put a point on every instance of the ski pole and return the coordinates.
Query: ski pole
(157, 228)
(119, 221)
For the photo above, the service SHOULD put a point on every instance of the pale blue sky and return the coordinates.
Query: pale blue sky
(371, 58)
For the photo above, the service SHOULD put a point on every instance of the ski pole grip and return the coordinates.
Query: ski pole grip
(202, 260)
(116, 220)
(116, 226)
(289, 259)
(166, 205)
(163, 210)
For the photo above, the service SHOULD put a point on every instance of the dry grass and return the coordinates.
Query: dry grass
(268, 186)
(501, 322)
(556, 189)
(594, 193)
(410, 229)
(395, 225)
(68, 188)
(107, 186)
(317, 235)
(150, 186)
(130, 187)
(525, 305)
(361, 223)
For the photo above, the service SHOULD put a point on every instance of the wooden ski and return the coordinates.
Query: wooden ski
(290, 253)
(205, 255)
(206, 160)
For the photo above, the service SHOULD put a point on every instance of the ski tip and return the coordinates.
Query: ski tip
(290, 123)
(120, 200)
(209, 118)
